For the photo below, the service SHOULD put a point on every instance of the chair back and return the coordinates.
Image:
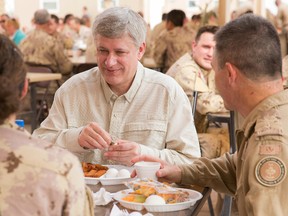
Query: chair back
(40, 69)
(194, 102)
(83, 67)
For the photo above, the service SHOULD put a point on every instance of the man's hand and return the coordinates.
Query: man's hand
(167, 173)
(122, 152)
(94, 137)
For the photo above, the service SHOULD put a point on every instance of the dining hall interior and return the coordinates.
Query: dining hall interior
(177, 115)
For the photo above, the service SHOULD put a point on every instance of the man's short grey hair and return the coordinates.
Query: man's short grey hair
(118, 21)
(41, 16)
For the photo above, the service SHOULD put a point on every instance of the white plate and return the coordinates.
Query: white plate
(193, 197)
(109, 181)
(91, 180)
(114, 181)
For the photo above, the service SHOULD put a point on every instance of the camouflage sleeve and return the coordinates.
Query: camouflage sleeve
(160, 49)
(210, 102)
(83, 205)
(63, 63)
(186, 79)
(279, 17)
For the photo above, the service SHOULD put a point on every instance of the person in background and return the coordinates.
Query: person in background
(195, 22)
(285, 70)
(174, 42)
(120, 101)
(67, 30)
(3, 18)
(37, 178)
(13, 31)
(196, 67)
(63, 39)
(281, 19)
(41, 48)
(83, 32)
(158, 29)
(248, 77)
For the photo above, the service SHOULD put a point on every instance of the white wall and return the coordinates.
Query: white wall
(24, 9)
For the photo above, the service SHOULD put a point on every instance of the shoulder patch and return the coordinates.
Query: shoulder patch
(268, 123)
(270, 149)
(270, 171)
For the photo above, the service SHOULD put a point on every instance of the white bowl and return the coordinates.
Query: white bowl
(145, 169)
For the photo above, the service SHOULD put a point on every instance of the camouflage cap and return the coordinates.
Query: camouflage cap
(41, 16)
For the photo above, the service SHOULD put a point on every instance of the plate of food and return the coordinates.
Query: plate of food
(156, 197)
(93, 172)
(106, 174)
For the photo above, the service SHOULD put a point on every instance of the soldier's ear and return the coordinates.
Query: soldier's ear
(232, 72)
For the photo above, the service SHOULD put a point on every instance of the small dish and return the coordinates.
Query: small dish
(91, 180)
(110, 181)
(114, 181)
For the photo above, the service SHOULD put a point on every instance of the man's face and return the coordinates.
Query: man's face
(3, 20)
(73, 25)
(53, 27)
(202, 50)
(117, 60)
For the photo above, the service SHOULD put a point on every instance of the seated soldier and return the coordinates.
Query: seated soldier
(37, 178)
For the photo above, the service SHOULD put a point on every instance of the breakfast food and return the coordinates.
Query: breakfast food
(145, 188)
(123, 173)
(111, 173)
(155, 200)
(93, 170)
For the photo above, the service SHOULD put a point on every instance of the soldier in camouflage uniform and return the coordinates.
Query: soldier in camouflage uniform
(198, 65)
(43, 49)
(37, 178)
(248, 77)
(67, 42)
(174, 42)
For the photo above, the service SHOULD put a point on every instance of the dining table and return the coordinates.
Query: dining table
(105, 210)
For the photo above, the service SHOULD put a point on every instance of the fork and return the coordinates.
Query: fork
(124, 212)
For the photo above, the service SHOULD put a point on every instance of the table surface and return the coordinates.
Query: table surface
(81, 59)
(105, 210)
(40, 77)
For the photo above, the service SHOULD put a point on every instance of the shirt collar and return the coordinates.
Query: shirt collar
(129, 95)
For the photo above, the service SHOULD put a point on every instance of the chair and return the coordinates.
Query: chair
(229, 119)
(38, 90)
(207, 191)
(199, 204)
(83, 67)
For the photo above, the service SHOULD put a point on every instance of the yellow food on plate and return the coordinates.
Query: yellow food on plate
(148, 188)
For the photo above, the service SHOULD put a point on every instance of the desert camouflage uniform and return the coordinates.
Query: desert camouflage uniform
(184, 71)
(38, 178)
(64, 40)
(282, 17)
(41, 48)
(171, 45)
(257, 173)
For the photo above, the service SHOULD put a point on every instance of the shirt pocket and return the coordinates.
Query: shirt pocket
(149, 133)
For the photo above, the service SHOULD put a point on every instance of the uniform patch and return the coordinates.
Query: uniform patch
(274, 149)
(270, 171)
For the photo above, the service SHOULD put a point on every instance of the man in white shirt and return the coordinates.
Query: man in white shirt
(141, 110)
